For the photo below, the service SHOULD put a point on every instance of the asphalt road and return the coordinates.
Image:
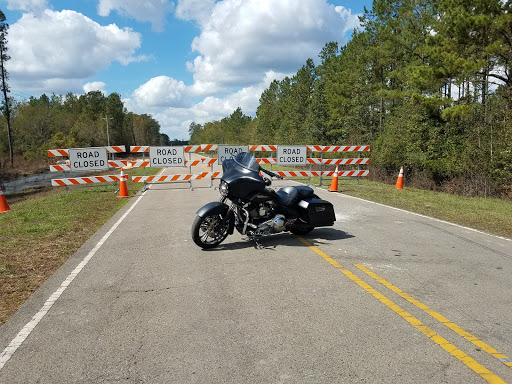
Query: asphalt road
(384, 296)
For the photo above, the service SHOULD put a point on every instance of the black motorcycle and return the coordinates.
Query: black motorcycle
(257, 210)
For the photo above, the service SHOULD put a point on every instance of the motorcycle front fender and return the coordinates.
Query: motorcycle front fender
(218, 208)
(213, 208)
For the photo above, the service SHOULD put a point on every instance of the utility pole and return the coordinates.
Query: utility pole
(106, 118)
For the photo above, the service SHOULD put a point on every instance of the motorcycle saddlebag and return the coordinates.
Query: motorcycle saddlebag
(320, 213)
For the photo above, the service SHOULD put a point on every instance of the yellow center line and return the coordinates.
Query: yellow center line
(330, 260)
(454, 327)
(432, 335)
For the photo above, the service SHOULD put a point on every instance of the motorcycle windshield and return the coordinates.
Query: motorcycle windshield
(247, 161)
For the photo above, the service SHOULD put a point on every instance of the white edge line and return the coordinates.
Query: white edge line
(29, 327)
(431, 218)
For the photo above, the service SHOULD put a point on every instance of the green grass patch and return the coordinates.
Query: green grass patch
(39, 234)
(486, 214)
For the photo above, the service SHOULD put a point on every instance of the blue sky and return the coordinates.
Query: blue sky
(180, 61)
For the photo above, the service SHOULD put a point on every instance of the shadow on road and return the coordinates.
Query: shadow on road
(318, 236)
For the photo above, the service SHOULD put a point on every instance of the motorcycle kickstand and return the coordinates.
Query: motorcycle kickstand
(258, 245)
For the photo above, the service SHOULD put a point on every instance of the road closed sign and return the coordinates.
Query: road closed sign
(292, 155)
(230, 151)
(166, 157)
(88, 159)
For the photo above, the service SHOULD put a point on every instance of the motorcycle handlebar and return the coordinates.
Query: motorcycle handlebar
(271, 174)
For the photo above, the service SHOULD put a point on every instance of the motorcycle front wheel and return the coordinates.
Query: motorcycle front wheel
(209, 231)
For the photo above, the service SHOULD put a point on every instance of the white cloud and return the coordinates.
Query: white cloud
(351, 21)
(95, 86)
(242, 47)
(153, 11)
(244, 39)
(162, 91)
(34, 6)
(175, 121)
(66, 45)
(195, 10)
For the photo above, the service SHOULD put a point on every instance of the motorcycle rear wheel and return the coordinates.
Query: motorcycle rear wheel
(209, 231)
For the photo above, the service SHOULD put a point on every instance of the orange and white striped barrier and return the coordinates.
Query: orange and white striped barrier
(208, 147)
(267, 160)
(214, 175)
(321, 161)
(338, 148)
(208, 161)
(323, 174)
(58, 152)
(200, 148)
(60, 168)
(339, 161)
(140, 164)
(65, 152)
(119, 163)
(139, 148)
(164, 179)
(4, 206)
(84, 180)
(263, 148)
(211, 175)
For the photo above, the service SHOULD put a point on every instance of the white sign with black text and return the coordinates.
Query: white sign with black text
(88, 159)
(292, 155)
(166, 157)
(230, 151)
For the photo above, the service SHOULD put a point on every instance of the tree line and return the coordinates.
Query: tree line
(71, 121)
(426, 83)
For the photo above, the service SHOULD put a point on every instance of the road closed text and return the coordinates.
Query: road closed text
(88, 159)
(291, 155)
(166, 156)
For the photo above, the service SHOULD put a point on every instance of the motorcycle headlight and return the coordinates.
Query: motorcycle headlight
(224, 188)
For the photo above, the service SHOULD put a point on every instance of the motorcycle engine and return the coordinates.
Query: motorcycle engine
(267, 220)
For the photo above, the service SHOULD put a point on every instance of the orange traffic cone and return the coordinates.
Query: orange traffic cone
(334, 183)
(123, 189)
(4, 207)
(400, 180)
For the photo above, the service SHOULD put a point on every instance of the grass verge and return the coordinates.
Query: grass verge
(485, 214)
(42, 231)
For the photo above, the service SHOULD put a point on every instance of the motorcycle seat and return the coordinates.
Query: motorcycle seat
(291, 195)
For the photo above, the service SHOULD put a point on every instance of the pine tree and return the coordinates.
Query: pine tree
(4, 86)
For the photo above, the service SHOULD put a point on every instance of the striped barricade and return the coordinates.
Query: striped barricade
(65, 152)
(263, 148)
(60, 168)
(84, 180)
(210, 175)
(139, 149)
(208, 162)
(267, 160)
(338, 148)
(140, 164)
(165, 179)
(200, 148)
(350, 161)
(216, 175)
(323, 174)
